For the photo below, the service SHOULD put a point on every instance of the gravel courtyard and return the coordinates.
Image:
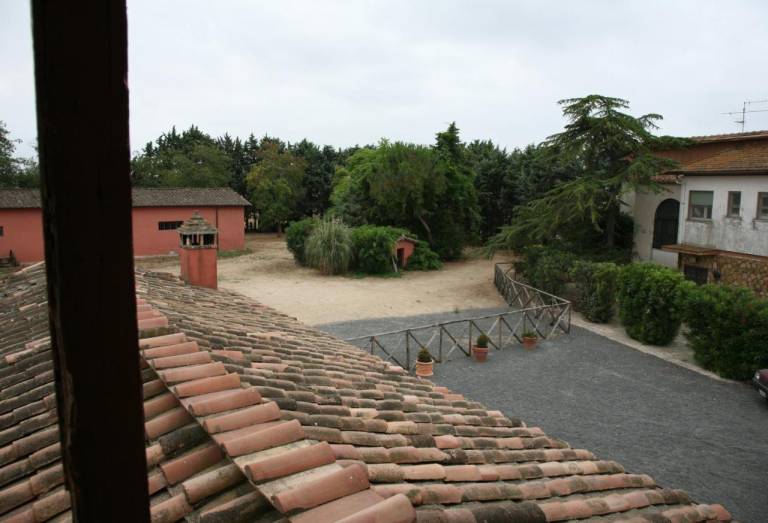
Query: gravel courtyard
(688, 431)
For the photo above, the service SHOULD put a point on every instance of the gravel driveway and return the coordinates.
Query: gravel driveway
(687, 431)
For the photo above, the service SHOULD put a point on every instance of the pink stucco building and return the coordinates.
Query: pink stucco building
(157, 213)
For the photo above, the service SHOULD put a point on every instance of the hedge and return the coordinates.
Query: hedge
(373, 248)
(651, 302)
(296, 237)
(546, 268)
(424, 259)
(728, 330)
(596, 289)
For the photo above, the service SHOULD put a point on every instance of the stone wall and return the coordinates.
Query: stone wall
(744, 272)
(736, 270)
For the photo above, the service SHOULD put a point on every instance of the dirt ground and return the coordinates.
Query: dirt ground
(269, 275)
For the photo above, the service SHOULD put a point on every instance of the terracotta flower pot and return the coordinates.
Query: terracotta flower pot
(424, 368)
(529, 342)
(480, 354)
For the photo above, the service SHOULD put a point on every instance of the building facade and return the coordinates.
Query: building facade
(157, 213)
(711, 219)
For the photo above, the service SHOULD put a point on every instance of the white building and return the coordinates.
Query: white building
(711, 220)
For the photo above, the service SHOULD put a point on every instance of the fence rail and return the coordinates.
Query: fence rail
(532, 310)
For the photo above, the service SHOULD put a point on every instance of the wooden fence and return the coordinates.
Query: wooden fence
(532, 310)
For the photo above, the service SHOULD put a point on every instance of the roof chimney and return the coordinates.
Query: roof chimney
(198, 252)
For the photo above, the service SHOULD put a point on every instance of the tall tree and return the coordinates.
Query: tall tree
(538, 168)
(459, 223)
(495, 184)
(15, 171)
(7, 160)
(188, 159)
(317, 182)
(275, 183)
(613, 152)
(428, 190)
(239, 163)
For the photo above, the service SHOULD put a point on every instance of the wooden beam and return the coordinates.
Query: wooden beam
(81, 64)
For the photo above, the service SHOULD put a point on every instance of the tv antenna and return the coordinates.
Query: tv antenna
(743, 113)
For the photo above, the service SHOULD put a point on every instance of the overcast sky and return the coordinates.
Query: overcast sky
(350, 72)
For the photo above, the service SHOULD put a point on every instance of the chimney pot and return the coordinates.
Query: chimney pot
(199, 247)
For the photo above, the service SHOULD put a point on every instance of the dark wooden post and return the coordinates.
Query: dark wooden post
(81, 64)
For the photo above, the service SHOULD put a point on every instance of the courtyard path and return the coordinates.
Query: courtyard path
(686, 430)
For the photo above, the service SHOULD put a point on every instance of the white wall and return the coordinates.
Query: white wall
(643, 208)
(743, 234)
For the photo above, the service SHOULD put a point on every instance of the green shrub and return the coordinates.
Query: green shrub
(329, 247)
(424, 355)
(482, 341)
(545, 268)
(727, 330)
(296, 237)
(373, 248)
(424, 259)
(651, 300)
(596, 289)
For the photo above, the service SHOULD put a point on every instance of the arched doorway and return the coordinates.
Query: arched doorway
(665, 223)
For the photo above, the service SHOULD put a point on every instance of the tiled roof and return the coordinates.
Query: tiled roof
(277, 420)
(19, 199)
(187, 197)
(739, 157)
(181, 457)
(142, 197)
(743, 154)
(730, 136)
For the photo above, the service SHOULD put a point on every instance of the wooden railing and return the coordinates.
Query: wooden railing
(518, 294)
(532, 310)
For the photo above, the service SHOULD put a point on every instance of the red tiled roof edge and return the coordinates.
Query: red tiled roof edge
(20, 198)
(726, 137)
(296, 474)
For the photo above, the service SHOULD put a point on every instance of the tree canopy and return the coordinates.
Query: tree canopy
(427, 190)
(567, 189)
(609, 153)
(15, 171)
(193, 158)
(275, 183)
(188, 159)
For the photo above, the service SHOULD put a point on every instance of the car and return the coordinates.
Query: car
(760, 381)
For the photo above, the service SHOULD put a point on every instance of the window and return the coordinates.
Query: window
(700, 205)
(734, 203)
(2, 231)
(762, 206)
(168, 226)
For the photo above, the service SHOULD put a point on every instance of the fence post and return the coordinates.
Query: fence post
(469, 345)
(440, 347)
(371, 345)
(501, 337)
(407, 351)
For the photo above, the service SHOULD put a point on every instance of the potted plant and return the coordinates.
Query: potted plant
(529, 339)
(424, 363)
(480, 349)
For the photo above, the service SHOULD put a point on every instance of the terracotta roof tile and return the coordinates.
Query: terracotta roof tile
(255, 412)
(142, 197)
(343, 482)
(730, 136)
(741, 154)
